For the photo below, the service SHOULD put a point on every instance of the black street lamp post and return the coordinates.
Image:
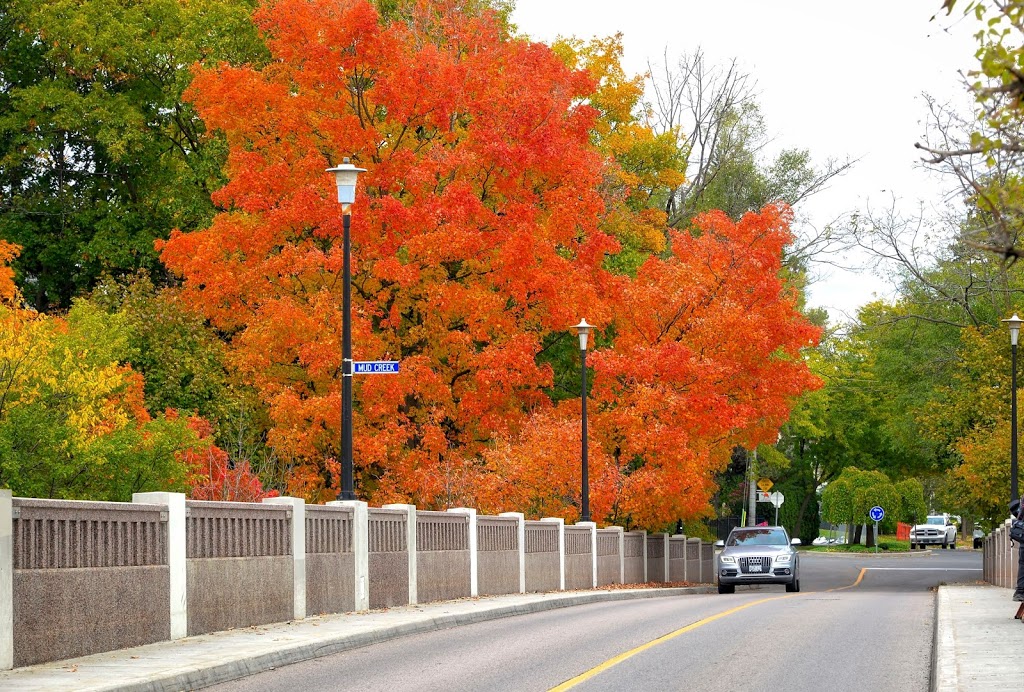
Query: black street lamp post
(1014, 324)
(583, 330)
(345, 177)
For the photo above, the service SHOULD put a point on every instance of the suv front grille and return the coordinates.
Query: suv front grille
(762, 565)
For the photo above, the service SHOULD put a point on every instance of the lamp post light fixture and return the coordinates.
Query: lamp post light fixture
(583, 330)
(1014, 324)
(345, 176)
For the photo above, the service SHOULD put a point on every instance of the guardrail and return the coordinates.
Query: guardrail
(78, 578)
(1000, 557)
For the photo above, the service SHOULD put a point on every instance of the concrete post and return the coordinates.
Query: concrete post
(360, 549)
(298, 525)
(521, 519)
(474, 586)
(410, 542)
(6, 580)
(561, 549)
(667, 552)
(176, 556)
(593, 550)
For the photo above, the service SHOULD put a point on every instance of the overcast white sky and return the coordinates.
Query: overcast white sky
(842, 79)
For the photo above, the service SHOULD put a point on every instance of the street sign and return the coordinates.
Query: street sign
(375, 367)
(765, 484)
(762, 496)
(876, 513)
(777, 499)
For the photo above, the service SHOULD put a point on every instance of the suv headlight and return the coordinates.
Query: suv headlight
(784, 559)
(727, 559)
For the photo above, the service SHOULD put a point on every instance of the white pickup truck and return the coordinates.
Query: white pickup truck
(938, 529)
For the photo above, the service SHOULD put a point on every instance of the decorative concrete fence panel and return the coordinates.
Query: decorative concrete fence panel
(656, 558)
(693, 560)
(239, 565)
(442, 556)
(707, 563)
(88, 577)
(330, 561)
(609, 563)
(677, 558)
(389, 558)
(497, 545)
(633, 549)
(579, 558)
(543, 563)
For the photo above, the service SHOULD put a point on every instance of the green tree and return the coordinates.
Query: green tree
(98, 154)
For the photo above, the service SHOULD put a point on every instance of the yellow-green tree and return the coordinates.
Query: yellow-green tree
(73, 423)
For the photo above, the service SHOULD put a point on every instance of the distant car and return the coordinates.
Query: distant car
(937, 529)
(758, 555)
(821, 540)
(979, 538)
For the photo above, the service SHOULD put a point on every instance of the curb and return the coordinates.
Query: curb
(202, 676)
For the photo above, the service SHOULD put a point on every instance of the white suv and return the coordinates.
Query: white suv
(938, 529)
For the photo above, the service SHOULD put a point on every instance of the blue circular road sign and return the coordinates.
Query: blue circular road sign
(876, 513)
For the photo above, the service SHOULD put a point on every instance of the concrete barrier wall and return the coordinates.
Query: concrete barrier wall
(388, 558)
(84, 577)
(442, 556)
(656, 558)
(609, 561)
(498, 556)
(633, 557)
(543, 571)
(239, 565)
(88, 577)
(677, 558)
(579, 558)
(330, 561)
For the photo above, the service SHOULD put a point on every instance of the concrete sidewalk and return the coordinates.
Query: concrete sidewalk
(977, 642)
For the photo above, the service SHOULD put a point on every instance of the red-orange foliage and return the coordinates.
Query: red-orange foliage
(475, 239)
(707, 356)
(474, 234)
(211, 476)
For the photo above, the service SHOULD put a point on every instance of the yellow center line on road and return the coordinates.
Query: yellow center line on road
(569, 684)
(596, 670)
(863, 571)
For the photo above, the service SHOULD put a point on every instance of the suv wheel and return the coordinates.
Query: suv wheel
(793, 586)
(726, 588)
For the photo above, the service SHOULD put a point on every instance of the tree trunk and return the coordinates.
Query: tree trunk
(871, 536)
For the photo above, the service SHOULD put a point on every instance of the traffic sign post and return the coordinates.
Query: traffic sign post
(877, 514)
(375, 367)
(777, 499)
(765, 484)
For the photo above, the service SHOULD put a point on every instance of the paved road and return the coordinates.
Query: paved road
(861, 623)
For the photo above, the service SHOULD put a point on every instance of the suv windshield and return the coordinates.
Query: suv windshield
(936, 520)
(758, 537)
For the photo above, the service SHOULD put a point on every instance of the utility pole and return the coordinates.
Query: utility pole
(752, 491)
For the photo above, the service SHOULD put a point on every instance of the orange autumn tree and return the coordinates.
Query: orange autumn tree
(706, 356)
(475, 234)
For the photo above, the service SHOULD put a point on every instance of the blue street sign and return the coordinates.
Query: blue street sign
(876, 513)
(375, 367)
